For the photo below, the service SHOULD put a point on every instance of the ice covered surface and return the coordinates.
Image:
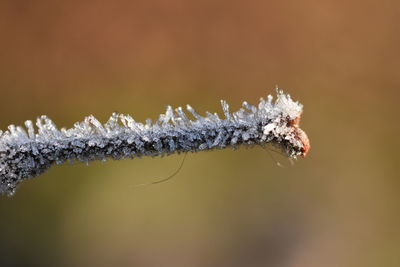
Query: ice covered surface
(26, 152)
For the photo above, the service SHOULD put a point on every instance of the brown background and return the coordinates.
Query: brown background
(337, 207)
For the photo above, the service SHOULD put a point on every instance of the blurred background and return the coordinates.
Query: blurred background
(337, 207)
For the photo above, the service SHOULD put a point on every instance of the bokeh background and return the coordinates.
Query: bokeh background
(337, 207)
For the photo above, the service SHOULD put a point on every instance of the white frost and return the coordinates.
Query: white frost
(26, 153)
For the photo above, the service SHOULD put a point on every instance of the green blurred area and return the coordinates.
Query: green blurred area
(337, 207)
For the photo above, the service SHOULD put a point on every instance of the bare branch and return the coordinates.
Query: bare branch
(25, 153)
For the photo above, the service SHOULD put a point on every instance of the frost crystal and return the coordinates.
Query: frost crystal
(25, 153)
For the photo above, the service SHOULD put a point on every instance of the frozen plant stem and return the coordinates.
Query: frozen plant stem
(25, 153)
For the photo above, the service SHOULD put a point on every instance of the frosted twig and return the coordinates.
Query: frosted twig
(25, 153)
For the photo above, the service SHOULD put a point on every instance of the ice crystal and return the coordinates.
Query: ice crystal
(26, 153)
